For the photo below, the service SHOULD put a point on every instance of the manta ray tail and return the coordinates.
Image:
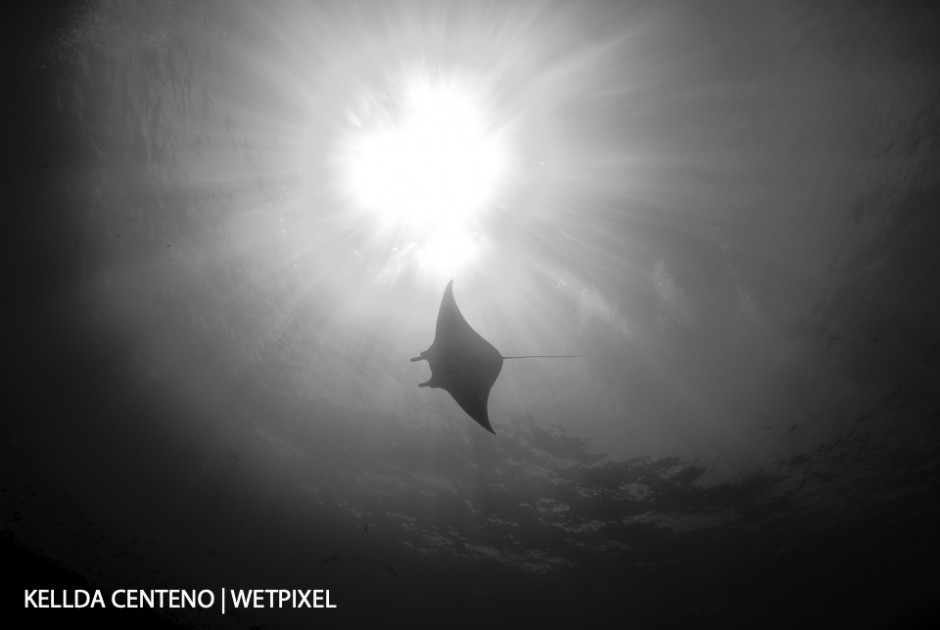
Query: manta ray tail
(548, 356)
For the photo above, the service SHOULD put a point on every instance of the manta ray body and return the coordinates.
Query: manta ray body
(463, 363)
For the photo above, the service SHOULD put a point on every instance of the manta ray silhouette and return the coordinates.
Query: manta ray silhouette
(463, 363)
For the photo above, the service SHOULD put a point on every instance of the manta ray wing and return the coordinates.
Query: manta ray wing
(463, 363)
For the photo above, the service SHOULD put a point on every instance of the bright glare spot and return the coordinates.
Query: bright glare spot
(447, 253)
(428, 163)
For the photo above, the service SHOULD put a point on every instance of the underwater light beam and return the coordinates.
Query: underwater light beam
(423, 162)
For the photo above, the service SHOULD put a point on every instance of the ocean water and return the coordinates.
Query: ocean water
(727, 208)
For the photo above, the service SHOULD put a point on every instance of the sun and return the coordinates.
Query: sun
(423, 158)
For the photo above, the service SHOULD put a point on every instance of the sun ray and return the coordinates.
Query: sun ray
(424, 163)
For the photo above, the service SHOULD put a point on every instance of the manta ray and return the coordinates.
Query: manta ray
(463, 363)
